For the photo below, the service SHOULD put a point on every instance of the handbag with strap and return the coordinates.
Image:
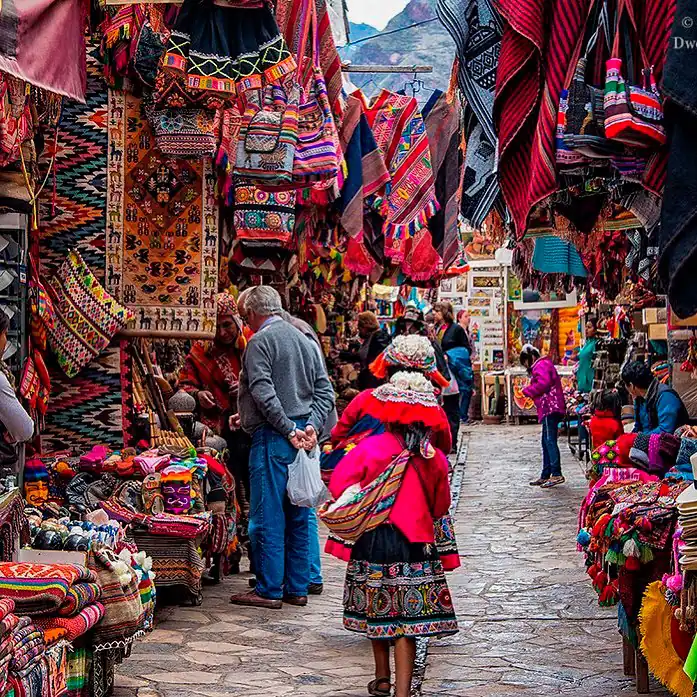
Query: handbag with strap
(361, 509)
(317, 151)
(268, 135)
(633, 114)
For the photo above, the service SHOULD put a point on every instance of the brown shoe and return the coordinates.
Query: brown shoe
(297, 600)
(252, 599)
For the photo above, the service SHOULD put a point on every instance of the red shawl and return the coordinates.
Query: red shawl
(400, 133)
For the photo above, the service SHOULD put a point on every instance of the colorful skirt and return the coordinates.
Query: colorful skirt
(396, 589)
(215, 52)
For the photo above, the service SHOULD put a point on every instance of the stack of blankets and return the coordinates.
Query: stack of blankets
(23, 663)
(62, 599)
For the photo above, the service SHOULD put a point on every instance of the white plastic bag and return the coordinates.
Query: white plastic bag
(305, 486)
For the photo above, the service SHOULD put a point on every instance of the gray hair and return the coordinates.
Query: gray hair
(242, 297)
(263, 301)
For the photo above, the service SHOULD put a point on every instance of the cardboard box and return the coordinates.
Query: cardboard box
(50, 556)
(676, 322)
(658, 332)
(654, 315)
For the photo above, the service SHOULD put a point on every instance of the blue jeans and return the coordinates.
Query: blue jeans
(278, 531)
(465, 399)
(551, 457)
(315, 558)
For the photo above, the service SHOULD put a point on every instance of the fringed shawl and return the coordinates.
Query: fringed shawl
(367, 175)
(400, 133)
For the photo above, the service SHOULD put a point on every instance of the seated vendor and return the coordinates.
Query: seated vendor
(657, 407)
(212, 369)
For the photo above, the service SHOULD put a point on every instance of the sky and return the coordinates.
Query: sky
(377, 13)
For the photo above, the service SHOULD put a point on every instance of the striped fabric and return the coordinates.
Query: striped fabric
(76, 626)
(541, 39)
(357, 512)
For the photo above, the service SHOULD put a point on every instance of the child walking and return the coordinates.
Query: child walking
(546, 391)
(395, 587)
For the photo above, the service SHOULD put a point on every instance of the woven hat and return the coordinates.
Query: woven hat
(411, 353)
(408, 398)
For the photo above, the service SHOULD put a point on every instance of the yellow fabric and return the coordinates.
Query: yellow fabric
(657, 644)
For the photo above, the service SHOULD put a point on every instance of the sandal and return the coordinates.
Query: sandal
(375, 690)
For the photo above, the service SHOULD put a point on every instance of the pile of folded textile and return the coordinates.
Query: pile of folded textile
(62, 598)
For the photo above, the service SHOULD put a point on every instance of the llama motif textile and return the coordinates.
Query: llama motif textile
(162, 230)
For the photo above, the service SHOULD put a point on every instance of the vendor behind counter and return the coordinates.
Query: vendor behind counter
(657, 407)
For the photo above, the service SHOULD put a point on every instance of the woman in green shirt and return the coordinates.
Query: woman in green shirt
(585, 372)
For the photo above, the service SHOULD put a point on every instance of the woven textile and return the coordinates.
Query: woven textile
(87, 316)
(79, 596)
(123, 611)
(176, 562)
(78, 220)
(264, 218)
(76, 626)
(162, 248)
(401, 136)
(40, 588)
(86, 409)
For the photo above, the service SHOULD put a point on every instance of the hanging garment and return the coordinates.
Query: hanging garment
(400, 133)
(555, 255)
(476, 28)
(541, 39)
(366, 175)
(43, 43)
(678, 231)
(217, 51)
(443, 127)
(292, 16)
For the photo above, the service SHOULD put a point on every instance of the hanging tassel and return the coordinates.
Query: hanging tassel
(632, 564)
(631, 548)
(583, 538)
(646, 554)
(600, 581)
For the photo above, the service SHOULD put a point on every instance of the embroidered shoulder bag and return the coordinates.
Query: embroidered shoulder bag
(269, 135)
(316, 154)
(361, 509)
(633, 115)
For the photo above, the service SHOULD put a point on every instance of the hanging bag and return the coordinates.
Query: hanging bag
(361, 509)
(316, 154)
(305, 487)
(633, 115)
(268, 135)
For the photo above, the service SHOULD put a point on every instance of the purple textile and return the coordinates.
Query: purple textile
(42, 42)
(545, 389)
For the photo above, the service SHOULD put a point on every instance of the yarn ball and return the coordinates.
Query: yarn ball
(583, 538)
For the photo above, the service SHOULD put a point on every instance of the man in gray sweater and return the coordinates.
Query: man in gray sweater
(284, 399)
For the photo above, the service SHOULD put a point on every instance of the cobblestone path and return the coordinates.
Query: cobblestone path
(529, 621)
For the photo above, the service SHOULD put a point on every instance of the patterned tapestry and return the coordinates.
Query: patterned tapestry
(162, 241)
(85, 410)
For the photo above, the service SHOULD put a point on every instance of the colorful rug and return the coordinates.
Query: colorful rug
(162, 242)
(86, 409)
(78, 220)
(76, 626)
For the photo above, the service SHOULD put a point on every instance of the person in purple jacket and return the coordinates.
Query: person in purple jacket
(546, 391)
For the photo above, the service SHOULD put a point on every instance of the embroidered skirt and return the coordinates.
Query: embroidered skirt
(216, 51)
(396, 589)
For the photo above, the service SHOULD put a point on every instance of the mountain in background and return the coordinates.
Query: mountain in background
(361, 31)
(428, 44)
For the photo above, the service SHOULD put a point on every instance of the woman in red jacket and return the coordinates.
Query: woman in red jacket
(395, 583)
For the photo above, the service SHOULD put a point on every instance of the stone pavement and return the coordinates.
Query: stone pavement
(529, 621)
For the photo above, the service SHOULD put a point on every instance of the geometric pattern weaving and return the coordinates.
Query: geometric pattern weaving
(162, 230)
(84, 410)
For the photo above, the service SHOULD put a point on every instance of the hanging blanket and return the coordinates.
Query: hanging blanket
(39, 589)
(678, 231)
(400, 133)
(367, 175)
(541, 39)
(442, 118)
(76, 626)
(476, 28)
(14, 529)
(42, 42)
(162, 231)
